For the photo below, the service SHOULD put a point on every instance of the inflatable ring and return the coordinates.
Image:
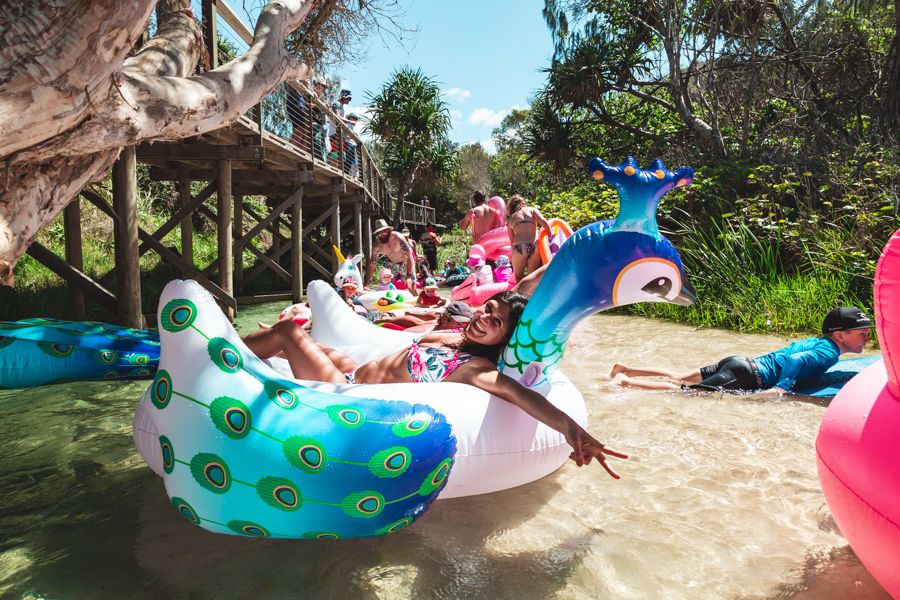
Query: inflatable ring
(856, 449)
(549, 242)
(39, 351)
(245, 449)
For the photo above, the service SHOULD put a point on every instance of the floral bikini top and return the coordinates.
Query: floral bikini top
(431, 363)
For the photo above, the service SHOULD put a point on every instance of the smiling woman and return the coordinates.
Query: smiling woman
(469, 357)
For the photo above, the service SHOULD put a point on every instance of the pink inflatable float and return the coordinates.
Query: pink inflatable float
(478, 287)
(496, 241)
(857, 447)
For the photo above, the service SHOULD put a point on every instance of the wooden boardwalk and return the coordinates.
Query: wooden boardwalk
(320, 185)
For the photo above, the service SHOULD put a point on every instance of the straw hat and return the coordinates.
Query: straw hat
(380, 225)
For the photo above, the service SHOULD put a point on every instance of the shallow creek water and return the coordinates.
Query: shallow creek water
(720, 499)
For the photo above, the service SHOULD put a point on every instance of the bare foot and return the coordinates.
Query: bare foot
(619, 379)
(617, 369)
(263, 325)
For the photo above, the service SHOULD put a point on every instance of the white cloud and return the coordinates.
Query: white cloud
(489, 146)
(455, 114)
(459, 93)
(489, 117)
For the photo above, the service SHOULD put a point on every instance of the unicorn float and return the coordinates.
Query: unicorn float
(243, 448)
(856, 449)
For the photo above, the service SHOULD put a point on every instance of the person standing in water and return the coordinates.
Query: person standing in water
(844, 329)
(522, 223)
(480, 217)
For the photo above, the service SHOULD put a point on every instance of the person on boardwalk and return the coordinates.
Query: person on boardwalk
(396, 248)
(480, 217)
(469, 357)
(522, 223)
(844, 329)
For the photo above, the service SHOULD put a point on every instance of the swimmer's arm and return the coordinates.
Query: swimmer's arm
(539, 219)
(464, 224)
(482, 374)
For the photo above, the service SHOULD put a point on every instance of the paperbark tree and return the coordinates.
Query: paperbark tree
(73, 93)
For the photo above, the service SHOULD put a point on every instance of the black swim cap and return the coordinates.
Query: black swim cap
(845, 318)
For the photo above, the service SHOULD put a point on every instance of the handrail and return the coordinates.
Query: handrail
(301, 131)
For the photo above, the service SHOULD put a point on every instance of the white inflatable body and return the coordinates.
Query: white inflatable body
(498, 445)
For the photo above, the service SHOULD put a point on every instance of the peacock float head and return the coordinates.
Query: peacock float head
(601, 266)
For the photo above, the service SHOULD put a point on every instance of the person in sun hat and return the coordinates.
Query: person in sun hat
(429, 297)
(844, 329)
(393, 245)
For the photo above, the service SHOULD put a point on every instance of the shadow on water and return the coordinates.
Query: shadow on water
(83, 517)
(446, 553)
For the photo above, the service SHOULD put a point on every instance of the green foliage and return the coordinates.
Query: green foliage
(410, 123)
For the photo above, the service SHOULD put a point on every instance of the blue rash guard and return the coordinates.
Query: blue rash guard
(801, 360)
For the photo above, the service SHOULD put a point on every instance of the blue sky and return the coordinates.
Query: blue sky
(486, 55)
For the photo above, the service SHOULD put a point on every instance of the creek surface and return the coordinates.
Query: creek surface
(720, 499)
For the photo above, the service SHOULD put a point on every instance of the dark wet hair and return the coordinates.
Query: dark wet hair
(516, 303)
(478, 197)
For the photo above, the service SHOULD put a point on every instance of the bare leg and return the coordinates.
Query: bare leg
(625, 381)
(518, 264)
(534, 261)
(689, 377)
(306, 358)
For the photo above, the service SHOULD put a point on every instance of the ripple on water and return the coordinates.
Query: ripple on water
(719, 500)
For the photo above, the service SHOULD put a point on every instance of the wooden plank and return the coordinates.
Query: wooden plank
(249, 176)
(268, 219)
(263, 298)
(128, 270)
(169, 256)
(210, 31)
(336, 228)
(238, 253)
(234, 21)
(182, 151)
(187, 225)
(297, 249)
(190, 270)
(94, 290)
(274, 266)
(224, 232)
(257, 217)
(74, 256)
(183, 213)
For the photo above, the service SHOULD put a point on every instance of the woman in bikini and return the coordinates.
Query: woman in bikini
(522, 222)
(468, 357)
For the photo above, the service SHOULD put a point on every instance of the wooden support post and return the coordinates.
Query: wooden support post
(223, 210)
(238, 251)
(72, 228)
(357, 228)
(297, 248)
(367, 237)
(128, 270)
(210, 33)
(336, 227)
(187, 224)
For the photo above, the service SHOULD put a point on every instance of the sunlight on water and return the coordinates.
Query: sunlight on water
(719, 500)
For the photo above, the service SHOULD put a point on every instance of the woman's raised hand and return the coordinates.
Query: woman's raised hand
(586, 448)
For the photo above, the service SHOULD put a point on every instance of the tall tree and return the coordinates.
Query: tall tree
(410, 123)
(74, 92)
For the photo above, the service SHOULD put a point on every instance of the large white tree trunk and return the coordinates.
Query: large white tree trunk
(71, 97)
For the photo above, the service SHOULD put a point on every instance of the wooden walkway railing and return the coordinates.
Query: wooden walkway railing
(321, 188)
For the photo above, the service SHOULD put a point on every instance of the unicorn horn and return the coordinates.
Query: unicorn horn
(337, 252)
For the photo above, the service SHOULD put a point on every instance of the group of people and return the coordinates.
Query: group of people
(326, 142)
(522, 225)
(463, 345)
